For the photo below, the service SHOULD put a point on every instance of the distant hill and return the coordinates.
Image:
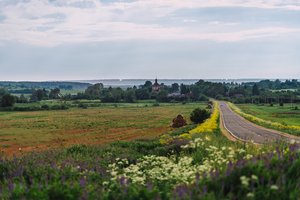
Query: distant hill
(46, 85)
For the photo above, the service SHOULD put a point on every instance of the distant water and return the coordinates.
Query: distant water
(125, 83)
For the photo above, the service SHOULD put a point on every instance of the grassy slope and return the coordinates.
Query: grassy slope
(276, 113)
(47, 129)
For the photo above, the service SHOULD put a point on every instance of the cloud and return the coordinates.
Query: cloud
(56, 22)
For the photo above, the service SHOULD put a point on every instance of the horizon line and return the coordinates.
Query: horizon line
(124, 79)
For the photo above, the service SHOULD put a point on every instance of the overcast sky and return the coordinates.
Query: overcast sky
(101, 39)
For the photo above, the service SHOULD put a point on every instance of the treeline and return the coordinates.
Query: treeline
(173, 93)
(276, 85)
(265, 91)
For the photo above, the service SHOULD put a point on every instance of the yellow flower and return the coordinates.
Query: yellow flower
(254, 119)
(209, 125)
(185, 136)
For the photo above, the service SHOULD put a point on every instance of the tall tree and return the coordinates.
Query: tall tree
(255, 90)
(94, 91)
(7, 100)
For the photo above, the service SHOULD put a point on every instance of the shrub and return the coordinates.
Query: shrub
(59, 107)
(82, 105)
(45, 107)
(7, 100)
(210, 125)
(178, 122)
(199, 115)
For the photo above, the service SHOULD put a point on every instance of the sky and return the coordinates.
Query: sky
(186, 39)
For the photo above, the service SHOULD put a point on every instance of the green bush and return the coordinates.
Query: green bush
(7, 100)
(199, 115)
(82, 105)
(45, 107)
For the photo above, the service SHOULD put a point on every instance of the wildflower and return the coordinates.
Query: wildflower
(274, 187)
(250, 195)
(210, 124)
(254, 177)
(292, 141)
(244, 181)
(20, 149)
(105, 183)
(248, 156)
(254, 119)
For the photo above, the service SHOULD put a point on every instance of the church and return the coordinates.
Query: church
(156, 86)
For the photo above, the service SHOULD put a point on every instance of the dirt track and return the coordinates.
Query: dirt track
(244, 130)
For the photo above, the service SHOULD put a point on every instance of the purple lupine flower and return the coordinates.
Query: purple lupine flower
(204, 190)
(122, 181)
(197, 178)
(63, 178)
(11, 186)
(82, 182)
(149, 186)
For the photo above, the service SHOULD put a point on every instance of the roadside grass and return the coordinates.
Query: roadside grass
(275, 118)
(40, 130)
(282, 114)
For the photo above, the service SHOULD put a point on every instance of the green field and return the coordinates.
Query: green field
(112, 151)
(282, 114)
(40, 130)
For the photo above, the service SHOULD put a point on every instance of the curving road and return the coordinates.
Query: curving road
(244, 130)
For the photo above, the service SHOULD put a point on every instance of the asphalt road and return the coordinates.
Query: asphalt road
(244, 130)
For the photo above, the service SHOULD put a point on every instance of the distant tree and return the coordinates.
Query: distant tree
(130, 96)
(174, 87)
(94, 91)
(255, 90)
(54, 93)
(196, 92)
(112, 95)
(2, 92)
(7, 100)
(22, 99)
(106, 96)
(117, 94)
(142, 93)
(38, 95)
(162, 96)
(148, 84)
(184, 89)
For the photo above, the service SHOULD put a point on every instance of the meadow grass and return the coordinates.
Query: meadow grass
(40, 130)
(280, 125)
(282, 114)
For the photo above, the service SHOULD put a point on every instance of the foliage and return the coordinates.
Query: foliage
(7, 100)
(199, 115)
(94, 91)
(209, 125)
(178, 122)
